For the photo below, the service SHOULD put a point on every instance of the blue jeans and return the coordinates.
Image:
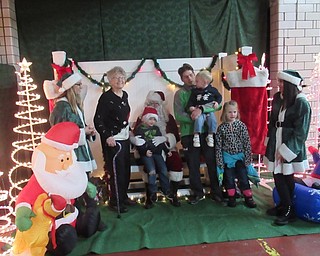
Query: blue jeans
(211, 120)
(156, 165)
(240, 172)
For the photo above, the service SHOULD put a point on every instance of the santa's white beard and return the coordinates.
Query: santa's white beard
(163, 119)
(69, 184)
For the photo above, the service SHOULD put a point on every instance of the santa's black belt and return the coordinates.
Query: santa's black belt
(279, 124)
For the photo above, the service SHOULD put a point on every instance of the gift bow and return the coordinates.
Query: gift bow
(247, 66)
(61, 70)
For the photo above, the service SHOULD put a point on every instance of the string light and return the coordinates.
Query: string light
(26, 127)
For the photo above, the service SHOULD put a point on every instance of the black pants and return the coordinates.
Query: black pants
(239, 172)
(192, 156)
(122, 171)
(285, 187)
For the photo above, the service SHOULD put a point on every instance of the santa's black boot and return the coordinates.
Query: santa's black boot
(173, 196)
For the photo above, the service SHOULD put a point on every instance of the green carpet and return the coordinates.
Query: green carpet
(206, 222)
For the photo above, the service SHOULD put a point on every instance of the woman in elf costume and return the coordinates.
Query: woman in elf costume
(287, 133)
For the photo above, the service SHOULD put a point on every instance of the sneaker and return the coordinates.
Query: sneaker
(210, 141)
(173, 199)
(196, 141)
(194, 199)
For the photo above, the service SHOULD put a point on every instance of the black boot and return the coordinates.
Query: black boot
(249, 202)
(173, 197)
(275, 211)
(287, 216)
(232, 201)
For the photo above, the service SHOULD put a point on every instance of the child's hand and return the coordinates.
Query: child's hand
(169, 153)
(149, 153)
(215, 104)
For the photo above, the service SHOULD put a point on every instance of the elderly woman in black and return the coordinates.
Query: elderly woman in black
(111, 120)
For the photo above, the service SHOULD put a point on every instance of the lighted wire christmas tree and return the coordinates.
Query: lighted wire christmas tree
(26, 130)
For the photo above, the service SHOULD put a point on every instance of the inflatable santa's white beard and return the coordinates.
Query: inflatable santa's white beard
(69, 184)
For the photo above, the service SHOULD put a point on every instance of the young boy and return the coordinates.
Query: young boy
(204, 95)
(151, 155)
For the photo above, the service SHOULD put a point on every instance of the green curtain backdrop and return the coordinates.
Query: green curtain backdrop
(95, 30)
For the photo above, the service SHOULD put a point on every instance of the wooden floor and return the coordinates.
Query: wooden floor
(302, 245)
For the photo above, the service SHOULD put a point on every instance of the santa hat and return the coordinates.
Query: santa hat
(149, 112)
(292, 77)
(63, 136)
(155, 96)
(67, 81)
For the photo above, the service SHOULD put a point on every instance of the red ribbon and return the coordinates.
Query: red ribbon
(61, 70)
(246, 64)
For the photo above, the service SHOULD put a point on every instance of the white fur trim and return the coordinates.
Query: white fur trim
(59, 145)
(70, 81)
(172, 140)
(68, 219)
(266, 140)
(51, 90)
(286, 153)
(23, 204)
(82, 137)
(59, 57)
(175, 176)
(291, 79)
(148, 116)
(234, 78)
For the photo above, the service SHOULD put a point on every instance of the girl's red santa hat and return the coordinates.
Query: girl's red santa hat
(148, 113)
(63, 136)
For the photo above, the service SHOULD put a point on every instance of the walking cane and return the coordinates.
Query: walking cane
(115, 178)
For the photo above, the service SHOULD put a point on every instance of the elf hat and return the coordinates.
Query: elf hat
(149, 112)
(63, 136)
(292, 77)
(51, 90)
(59, 57)
(67, 81)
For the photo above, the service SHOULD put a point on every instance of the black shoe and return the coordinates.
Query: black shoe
(249, 202)
(129, 202)
(154, 197)
(194, 199)
(114, 208)
(275, 211)
(173, 199)
(216, 198)
(148, 204)
(288, 216)
(232, 201)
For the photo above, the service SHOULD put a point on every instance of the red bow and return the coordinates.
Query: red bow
(247, 66)
(61, 70)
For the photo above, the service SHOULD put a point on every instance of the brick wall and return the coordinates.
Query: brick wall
(9, 46)
(295, 36)
(294, 42)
